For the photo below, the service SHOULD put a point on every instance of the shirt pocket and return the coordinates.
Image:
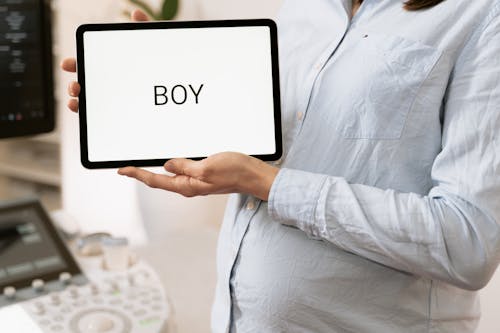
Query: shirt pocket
(388, 73)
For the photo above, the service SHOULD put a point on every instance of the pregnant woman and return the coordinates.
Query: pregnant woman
(383, 215)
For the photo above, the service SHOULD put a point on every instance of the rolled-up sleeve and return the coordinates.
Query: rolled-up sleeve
(452, 233)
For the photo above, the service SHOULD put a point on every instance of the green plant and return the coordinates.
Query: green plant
(168, 10)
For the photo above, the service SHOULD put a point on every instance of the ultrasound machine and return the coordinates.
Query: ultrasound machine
(45, 290)
(48, 284)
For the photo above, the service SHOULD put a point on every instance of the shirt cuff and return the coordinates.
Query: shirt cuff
(294, 197)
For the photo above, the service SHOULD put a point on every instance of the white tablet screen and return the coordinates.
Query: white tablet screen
(190, 92)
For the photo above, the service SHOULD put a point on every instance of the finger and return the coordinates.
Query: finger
(139, 16)
(73, 105)
(69, 65)
(74, 89)
(150, 179)
(184, 185)
(182, 166)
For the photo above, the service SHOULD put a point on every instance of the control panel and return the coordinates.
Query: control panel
(44, 290)
(133, 301)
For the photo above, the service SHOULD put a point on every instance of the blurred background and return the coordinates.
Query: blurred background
(180, 233)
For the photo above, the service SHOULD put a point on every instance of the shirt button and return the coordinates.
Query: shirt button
(250, 205)
(300, 115)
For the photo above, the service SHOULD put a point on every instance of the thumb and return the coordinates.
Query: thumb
(182, 166)
(139, 16)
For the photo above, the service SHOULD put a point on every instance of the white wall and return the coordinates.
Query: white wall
(490, 305)
(102, 200)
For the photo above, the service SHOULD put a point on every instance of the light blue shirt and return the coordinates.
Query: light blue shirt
(385, 214)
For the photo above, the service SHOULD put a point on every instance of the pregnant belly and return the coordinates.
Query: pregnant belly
(285, 282)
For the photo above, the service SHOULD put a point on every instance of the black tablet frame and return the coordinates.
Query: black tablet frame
(47, 123)
(173, 25)
(71, 265)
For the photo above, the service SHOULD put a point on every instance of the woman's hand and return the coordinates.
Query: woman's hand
(217, 174)
(69, 65)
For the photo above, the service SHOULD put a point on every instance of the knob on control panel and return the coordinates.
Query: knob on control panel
(73, 292)
(9, 292)
(100, 323)
(55, 299)
(38, 285)
(38, 308)
(65, 277)
(94, 289)
(100, 320)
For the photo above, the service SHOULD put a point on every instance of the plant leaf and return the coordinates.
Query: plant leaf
(144, 6)
(169, 9)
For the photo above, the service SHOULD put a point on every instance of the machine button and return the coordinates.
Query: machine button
(55, 299)
(131, 280)
(39, 309)
(139, 313)
(56, 328)
(97, 300)
(100, 324)
(149, 320)
(58, 318)
(38, 285)
(44, 322)
(65, 277)
(73, 292)
(79, 303)
(65, 309)
(94, 289)
(112, 287)
(9, 292)
(99, 321)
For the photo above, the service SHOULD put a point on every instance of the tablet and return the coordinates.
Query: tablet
(159, 90)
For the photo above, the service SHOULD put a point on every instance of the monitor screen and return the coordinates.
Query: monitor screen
(26, 91)
(30, 248)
